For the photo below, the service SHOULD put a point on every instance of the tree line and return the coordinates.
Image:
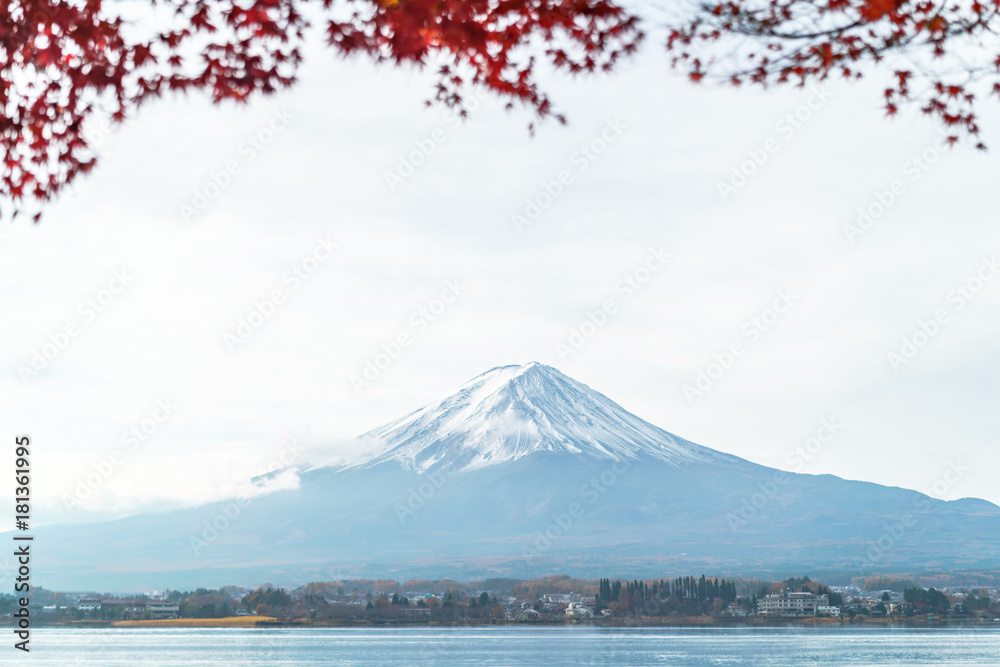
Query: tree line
(683, 588)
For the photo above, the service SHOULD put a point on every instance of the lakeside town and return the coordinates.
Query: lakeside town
(558, 599)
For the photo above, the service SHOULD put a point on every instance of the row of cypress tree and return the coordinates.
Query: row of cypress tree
(685, 588)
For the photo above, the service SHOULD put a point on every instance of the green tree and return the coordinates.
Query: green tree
(931, 599)
(274, 597)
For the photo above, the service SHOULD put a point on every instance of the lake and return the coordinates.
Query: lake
(506, 645)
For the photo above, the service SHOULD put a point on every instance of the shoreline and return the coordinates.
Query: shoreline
(244, 622)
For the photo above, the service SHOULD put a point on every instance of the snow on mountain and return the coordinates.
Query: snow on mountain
(510, 412)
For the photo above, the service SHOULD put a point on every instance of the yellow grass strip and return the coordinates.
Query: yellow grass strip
(228, 622)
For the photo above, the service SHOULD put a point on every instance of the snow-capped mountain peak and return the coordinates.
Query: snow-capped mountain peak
(510, 412)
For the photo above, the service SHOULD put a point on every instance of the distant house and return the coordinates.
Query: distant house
(128, 606)
(559, 598)
(527, 615)
(161, 608)
(419, 612)
(157, 607)
(89, 604)
(577, 610)
(568, 598)
(827, 610)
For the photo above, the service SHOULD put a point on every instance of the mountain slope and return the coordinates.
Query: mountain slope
(525, 472)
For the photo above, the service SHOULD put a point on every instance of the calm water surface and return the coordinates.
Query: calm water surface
(550, 646)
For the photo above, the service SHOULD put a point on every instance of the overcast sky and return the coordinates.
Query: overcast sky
(170, 274)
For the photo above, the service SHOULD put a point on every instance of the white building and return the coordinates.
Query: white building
(791, 604)
(88, 604)
(567, 598)
(827, 610)
(577, 610)
(161, 608)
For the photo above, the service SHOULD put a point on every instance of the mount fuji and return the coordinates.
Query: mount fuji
(524, 472)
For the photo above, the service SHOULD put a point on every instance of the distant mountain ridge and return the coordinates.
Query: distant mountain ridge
(525, 472)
